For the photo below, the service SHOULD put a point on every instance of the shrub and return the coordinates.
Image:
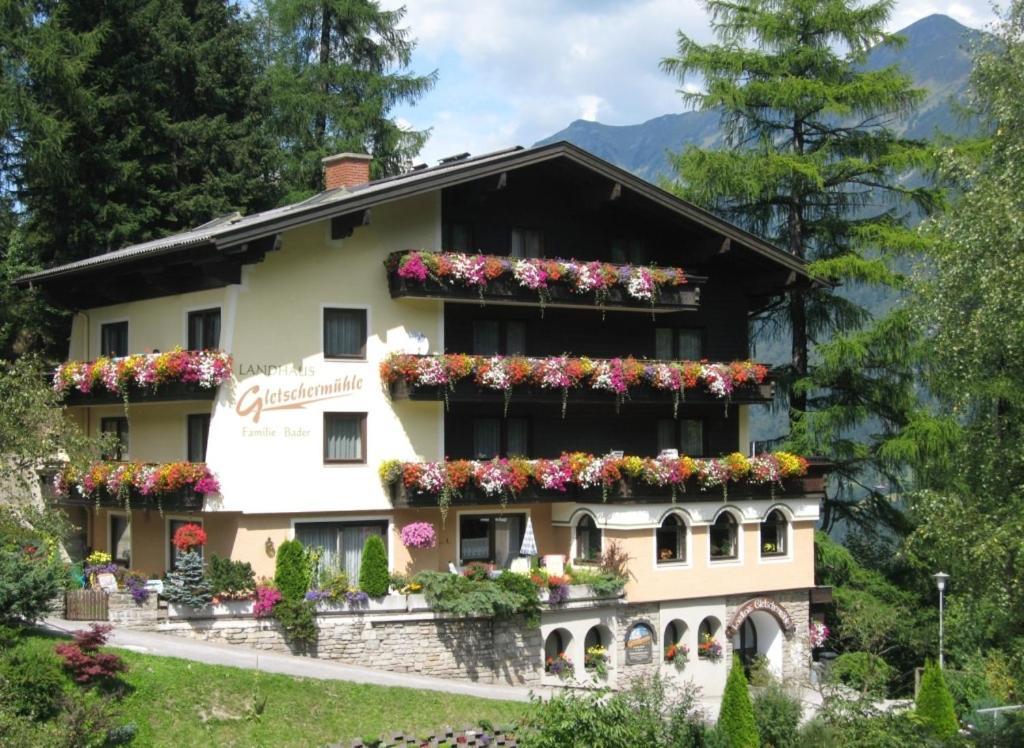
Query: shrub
(777, 714)
(459, 595)
(29, 579)
(87, 664)
(523, 588)
(234, 580)
(293, 573)
(298, 620)
(32, 683)
(188, 585)
(865, 672)
(934, 706)
(335, 583)
(373, 570)
(736, 718)
(615, 560)
(650, 712)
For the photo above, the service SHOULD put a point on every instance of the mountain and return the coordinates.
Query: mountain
(936, 56)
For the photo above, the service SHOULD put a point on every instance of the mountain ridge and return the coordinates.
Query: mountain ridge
(935, 55)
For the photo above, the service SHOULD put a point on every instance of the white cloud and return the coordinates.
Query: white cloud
(514, 71)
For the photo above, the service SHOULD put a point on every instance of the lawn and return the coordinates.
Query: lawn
(177, 702)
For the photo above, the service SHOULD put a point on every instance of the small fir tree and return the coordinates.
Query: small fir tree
(373, 571)
(736, 719)
(188, 585)
(934, 705)
(293, 574)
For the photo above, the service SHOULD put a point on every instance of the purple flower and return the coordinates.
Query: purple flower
(317, 595)
(419, 535)
(558, 594)
(356, 597)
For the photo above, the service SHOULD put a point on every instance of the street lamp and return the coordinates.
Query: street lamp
(940, 582)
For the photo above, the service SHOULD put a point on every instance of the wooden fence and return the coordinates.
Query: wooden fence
(85, 605)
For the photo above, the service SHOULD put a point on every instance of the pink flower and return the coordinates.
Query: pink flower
(266, 599)
(419, 535)
(413, 267)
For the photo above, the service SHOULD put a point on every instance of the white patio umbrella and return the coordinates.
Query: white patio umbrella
(529, 547)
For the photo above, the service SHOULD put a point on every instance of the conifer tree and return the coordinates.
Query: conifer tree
(338, 68)
(293, 573)
(736, 716)
(934, 704)
(166, 131)
(813, 164)
(188, 585)
(373, 568)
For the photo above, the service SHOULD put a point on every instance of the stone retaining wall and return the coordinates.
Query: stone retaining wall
(486, 650)
(123, 610)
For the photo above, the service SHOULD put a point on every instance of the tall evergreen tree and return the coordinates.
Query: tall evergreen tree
(338, 69)
(168, 135)
(814, 165)
(37, 57)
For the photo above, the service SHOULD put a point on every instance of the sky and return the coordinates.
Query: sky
(514, 71)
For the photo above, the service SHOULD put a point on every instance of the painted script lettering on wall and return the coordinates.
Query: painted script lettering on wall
(255, 401)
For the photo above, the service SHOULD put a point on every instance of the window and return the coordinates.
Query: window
(119, 428)
(526, 243)
(773, 534)
(556, 647)
(344, 333)
(344, 437)
(114, 339)
(678, 343)
(670, 539)
(588, 540)
(491, 538)
(632, 251)
(496, 437)
(707, 634)
(172, 527)
(198, 436)
(121, 539)
(341, 543)
(684, 434)
(674, 633)
(724, 537)
(460, 237)
(494, 338)
(204, 330)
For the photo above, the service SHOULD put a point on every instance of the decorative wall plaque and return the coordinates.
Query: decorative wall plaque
(639, 644)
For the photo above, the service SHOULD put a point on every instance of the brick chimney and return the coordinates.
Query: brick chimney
(346, 170)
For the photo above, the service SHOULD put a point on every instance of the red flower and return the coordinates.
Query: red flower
(188, 537)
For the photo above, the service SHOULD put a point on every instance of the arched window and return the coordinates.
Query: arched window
(708, 646)
(597, 647)
(588, 539)
(724, 537)
(773, 534)
(675, 649)
(671, 540)
(556, 658)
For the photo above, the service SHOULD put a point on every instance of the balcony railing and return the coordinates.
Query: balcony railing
(135, 485)
(463, 378)
(154, 377)
(458, 277)
(579, 477)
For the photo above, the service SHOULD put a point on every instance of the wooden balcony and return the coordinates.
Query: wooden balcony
(506, 292)
(467, 391)
(625, 491)
(163, 393)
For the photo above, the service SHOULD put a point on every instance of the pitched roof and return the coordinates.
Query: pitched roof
(235, 229)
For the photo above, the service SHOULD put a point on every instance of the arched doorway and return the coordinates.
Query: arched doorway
(759, 635)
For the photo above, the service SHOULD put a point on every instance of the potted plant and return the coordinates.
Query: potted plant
(595, 660)
(560, 665)
(709, 648)
(678, 654)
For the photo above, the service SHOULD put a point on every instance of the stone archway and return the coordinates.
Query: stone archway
(760, 626)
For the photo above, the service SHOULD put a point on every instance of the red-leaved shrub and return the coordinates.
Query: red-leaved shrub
(87, 664)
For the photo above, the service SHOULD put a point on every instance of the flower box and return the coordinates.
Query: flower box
(225, 609)
(588, 479)
(170, 392)
(506, 289)
(171, 485)
(578, 593)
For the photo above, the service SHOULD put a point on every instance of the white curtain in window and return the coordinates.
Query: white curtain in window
(486, 437)
(344, 439)
(352, 539)
(663, 344)
(508, 533)
(518, 437)
(692, 437)
(666, 434)
(691, 345)
(324, 537)
(343, 332)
